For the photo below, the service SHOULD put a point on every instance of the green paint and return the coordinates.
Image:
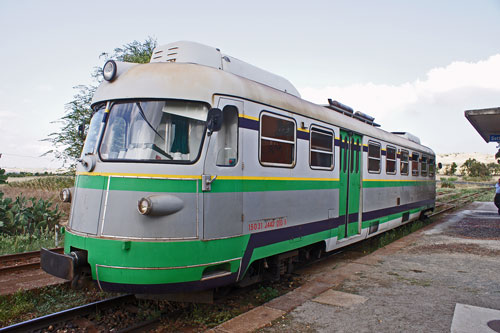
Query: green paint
(350, 180)
(289, 245)
(189, 185)
(384, 219)
(153, 185)
(94, 182)
(140, 254)
(397, 183)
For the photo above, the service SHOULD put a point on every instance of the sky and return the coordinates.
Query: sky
(415, 66)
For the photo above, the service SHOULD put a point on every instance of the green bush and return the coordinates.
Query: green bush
(3, 176)
(24, 243)
(446, 183)
(27, 216)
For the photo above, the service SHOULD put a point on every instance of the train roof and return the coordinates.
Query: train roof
(188, 81)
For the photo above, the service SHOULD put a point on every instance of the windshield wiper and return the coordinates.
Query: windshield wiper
(141, 112)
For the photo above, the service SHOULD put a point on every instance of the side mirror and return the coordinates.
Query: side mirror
(214, 120)
(440, 166)
(81, 131)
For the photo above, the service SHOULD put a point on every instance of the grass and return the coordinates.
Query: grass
(25, 243)
(25, 305)
(49, 183)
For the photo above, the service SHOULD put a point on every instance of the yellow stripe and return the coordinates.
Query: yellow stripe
(146, 175)
(107, 174)
(248, 117)
(303, 130)
(277, 178)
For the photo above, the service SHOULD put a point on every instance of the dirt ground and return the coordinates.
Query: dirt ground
(414, 284)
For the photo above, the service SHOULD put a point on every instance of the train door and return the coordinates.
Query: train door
(350, 183)
(221, 179)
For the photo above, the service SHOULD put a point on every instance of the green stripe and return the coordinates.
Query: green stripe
(257, 185)
(98, 182)
(385, 183)
(289, 245)
(189, 185)
(153, 185)
(384, 219)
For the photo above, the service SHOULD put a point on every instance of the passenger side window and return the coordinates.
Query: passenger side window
(321, 149)
(227, 138)
(404, 162)
(373, 157)
(277, 140)
(432, 167)
(423, 166)
(390, 161)
(414, 163)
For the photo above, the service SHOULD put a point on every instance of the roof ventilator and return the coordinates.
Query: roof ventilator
(408, 136)
(348, 111)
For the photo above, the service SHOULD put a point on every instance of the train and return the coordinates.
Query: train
(201, 171)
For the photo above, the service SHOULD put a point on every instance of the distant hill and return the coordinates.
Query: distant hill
(460, 158)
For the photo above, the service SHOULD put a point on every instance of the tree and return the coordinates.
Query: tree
(473, 168)
(67, 142)
(494, 168)
(451, 169)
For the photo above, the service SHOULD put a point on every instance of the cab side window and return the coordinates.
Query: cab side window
(227, 138)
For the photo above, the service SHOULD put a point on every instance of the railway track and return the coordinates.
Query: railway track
(52, 320)
(86, 314)
(458, 201)
(22, 261)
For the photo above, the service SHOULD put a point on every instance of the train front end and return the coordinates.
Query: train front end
(136, 221)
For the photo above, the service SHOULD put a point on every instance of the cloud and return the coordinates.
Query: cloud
(432, 108)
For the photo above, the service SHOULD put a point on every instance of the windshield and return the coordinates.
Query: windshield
(154, 131)
(93, 133)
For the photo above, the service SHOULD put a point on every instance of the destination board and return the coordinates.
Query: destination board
(495, 137)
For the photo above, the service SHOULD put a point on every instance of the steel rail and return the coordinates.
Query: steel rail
(55, 318)
(453, 206)
(26, 255)
(22, 256)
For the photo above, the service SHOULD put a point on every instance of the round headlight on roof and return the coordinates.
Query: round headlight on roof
(109, 70)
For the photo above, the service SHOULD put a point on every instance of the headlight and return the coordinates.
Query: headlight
(109, 70)
(145, 206)
(65, 195)
(159, 205)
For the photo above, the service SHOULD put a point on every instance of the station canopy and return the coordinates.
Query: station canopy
(486, 122)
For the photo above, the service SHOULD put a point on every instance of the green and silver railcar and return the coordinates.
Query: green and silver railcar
(200, 171)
